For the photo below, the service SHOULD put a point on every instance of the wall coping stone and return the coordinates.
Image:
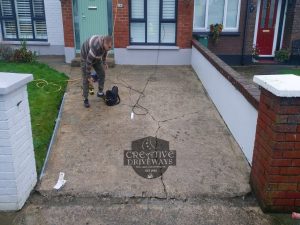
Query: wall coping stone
(247, 88)
(287, 85)
(12, 81)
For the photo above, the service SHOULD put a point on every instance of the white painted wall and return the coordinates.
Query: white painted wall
(55, 44)
(137, 55)
(17, 163)
(239, 115)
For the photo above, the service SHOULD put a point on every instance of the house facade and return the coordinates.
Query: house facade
(153, 31)
(36, 21)
(264, 25)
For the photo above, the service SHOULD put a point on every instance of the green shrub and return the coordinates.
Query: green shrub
(23, 54)
(282, 55)
(6, 53)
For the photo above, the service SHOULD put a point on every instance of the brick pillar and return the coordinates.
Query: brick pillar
(185, 23)
(121, 24)
(275, 174)
(67, 14)
(17, 163)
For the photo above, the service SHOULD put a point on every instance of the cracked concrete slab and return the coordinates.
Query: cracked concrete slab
(174, 107)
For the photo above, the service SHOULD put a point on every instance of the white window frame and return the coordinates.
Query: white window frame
(225, 29)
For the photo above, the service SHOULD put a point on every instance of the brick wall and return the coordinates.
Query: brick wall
(296, 24)
(251, 29)
(184, 24)
(288, 26)
(276, 158)
(121, 24)
(232, 44)
(67, 16)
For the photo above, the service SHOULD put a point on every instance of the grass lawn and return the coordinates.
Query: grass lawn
(44, 103)
(291, 71)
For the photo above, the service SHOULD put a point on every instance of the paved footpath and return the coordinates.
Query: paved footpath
(208, 185)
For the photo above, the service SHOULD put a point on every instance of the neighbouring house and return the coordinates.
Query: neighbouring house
(267, 25)
(159, 31)
(38, 22)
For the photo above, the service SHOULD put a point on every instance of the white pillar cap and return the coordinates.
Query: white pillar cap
(12, 81)
(281, 85)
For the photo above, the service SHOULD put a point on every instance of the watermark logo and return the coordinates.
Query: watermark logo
(150, 157)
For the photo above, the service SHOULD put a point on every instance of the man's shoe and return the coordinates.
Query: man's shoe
(86, 103)
(100, 94)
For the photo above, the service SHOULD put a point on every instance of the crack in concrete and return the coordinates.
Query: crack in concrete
(66, 199)
(178, 117)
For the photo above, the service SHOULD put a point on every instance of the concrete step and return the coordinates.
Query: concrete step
(110, 61)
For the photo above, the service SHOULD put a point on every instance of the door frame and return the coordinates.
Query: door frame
(276, 27)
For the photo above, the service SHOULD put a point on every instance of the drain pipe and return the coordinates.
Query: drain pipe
(53, 136)
(244, 33)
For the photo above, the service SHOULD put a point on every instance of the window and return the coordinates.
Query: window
(208, 12)
(23, 20)
(153, 22)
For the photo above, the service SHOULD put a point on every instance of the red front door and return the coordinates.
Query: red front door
(266, 26)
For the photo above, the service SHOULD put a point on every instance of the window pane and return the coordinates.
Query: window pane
(168, 32)
(24, 19)
(38, 8)
(10, 30)
(168, 9)
(137, 32)
(232, 12)
(6, 8)
(215, 11)
(137, 9)
(199, 14)
(152, 21)
(40, 29)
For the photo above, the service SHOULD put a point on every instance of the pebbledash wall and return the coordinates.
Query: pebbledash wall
(55, 43)
(152, 55)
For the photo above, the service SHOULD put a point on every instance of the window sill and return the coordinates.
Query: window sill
(31, 43)
(151, 47)
(225, 33)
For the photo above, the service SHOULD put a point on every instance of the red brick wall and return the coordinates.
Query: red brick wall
(68, 22)
(121, 24)
(296, 24)
(184, 24)
(250, 28)
(276, 158)
(288, 26)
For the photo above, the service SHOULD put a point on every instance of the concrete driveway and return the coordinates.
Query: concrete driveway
(208, 185)
(172, 105)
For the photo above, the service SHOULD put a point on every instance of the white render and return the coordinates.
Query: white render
(17, 163)
(284, 85)
(238, 114)
(152, 55)
(70, 54)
